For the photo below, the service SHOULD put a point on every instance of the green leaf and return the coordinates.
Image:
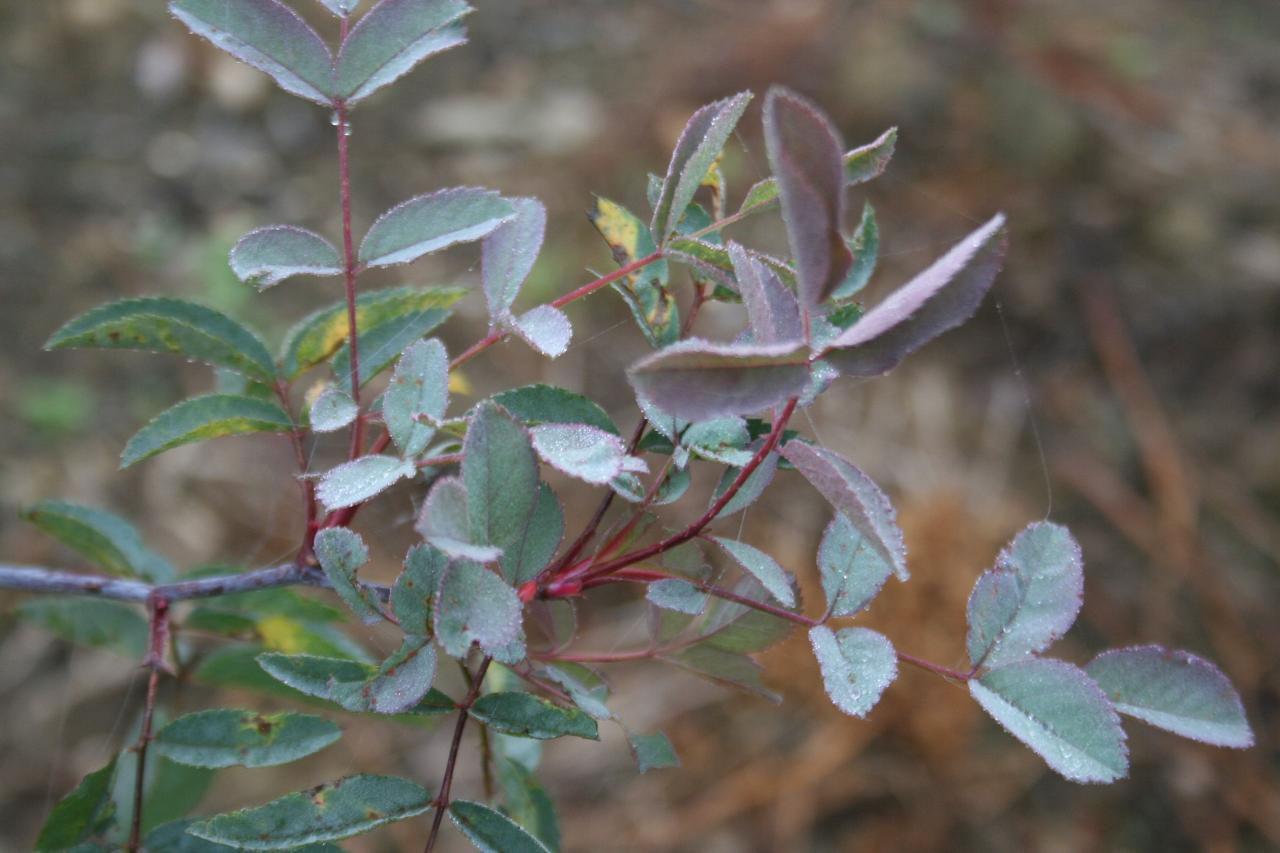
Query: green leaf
(491, 831)
(278, 632)
(734, 627)
(1029, 599)
(328, 812)
(417, 585)
(517, 713)
(723, 667)
(475, 606)
(357, 481)
(443, 522)
(419, 387)
(80, 815)
(645, 291)
(267, 35)
(699, 145)
(341, 553)
(333, 410)
(757, 481)
(764, 568)
(857, 665)
(105, 539)
(334, 680)
(508, 255)
(173, 838)
(159, 324)
(399, 684)
(865, 247)
(719, 440)
(225, 737)
(584, 452)
(393, 37)
(653, 752)
(383, 344)
(697, 380)
(860, 165)
(524, 558)
(183, 787)
(853, 572)
(321, 334)
(678, 595)
(1175, 691)
(431, 222)
(202, 418)
(547, 404)
(90, 622)
(1060, 713)
(501, 477)
(585, 687)
(527, 803)
(267, 256)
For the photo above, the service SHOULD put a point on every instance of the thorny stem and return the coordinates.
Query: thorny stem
(158, 606)
(464, 707)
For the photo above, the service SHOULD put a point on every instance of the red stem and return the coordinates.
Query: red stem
(442, 799)
(158, 606)
(349, 263)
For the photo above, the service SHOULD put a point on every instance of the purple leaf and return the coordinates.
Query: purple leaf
(853, 493)
(267, 35)
(806, 156)
(1175, 691)
(772, 310)
(702, 140)
(938, 299)
(508, 254)
(696, 380)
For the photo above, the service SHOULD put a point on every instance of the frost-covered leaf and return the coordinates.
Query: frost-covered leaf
(763, 568)
(751, 490)
(419, 387)
(1175, 691)
(805, 153)
(267, 256)
(226, 737)
(865, 247)
(853, 572)
(857, 665)
(645, 291)
(328, 812)
(1029, 599)
(720, 440)
(355, 482)
(500, 472)
(318, 336)
(416, 587)
(431, 222)
(700, 143)
(678, 595)
(393, 37)
(491, 831)
(337, 680)
(861, 164)
(772, 310)
(443, 521)
(545, 328)
(332, 410)
(733, 627)
(89, 622)
(475, 606)
(1060, 713)
(527, 802)
(525, 715)
(508, 255)
(341, 553)
(172, 837)
(547, 404)
(584, 452)
(531, 552)
(341, 8)
(202, 418)
(723, 667)
(938, 299)
(267, 35)
(382, 344)
(853, 493)
(399, 683)
(106, 539)
(653, 752)
(81, 814)
(160, 324)
(697, 380)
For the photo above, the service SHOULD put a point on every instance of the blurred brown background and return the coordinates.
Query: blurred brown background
(1136, 148)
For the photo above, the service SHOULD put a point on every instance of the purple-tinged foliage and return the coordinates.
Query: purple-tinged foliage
(390, 39)
(431, 222)
(700, 143)
(695, 380)
(772, 311)
(508, 255)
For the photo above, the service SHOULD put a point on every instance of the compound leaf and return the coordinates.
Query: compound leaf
(267, 35)
(1175, 691)
(267, 256)
(160, 324)
(327, 812)
(202, 418)
(1060, 713)
(431, 222)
